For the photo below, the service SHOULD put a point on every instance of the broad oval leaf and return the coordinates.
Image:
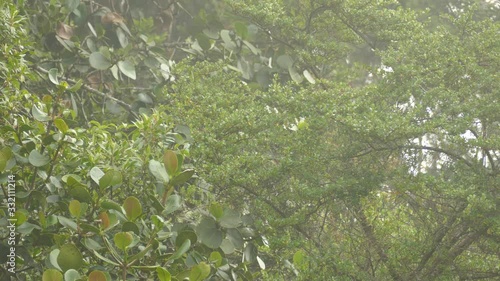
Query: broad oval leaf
(5, 156)
(61, 125)
(123, 240)
(71, 275)
(75, 208)
(284, 61)
(52, 275)
(209, 233)
(230, 219)
(112, 177)
(199, 272)
(69, 257)
(132, 207)
(39, 115)
(96, 174)
(53, 76)
(38, 160)
(163, 274)
(182, 177)
(170, 161)
(99, 61)
(309, 77)
(127, 68)
(158, 171)
(173, 204)
(97, 275)
(182, 250)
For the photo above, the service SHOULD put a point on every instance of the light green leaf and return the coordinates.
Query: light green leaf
(75, 208)
(97, 275)
(173, 204)
(61, 125)
(96, 174)
(230, 219)
(52, 275)
(39, 115)
(112, 177)
(99, 61)
(132, 207)
(71, 5)
(182, 250)
(38, 160)
(158, 171)
(5, 155)
(69, 257)
(53, 76)
(199, 272)
(170, 161)
(123, 240)
(209, 233)
(309, 77)
(122, 37)
(285, 61)
(163, 274)
(295, 75)
(71, 275)
(127, 68)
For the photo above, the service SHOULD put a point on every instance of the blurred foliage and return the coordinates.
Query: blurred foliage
(250, 140)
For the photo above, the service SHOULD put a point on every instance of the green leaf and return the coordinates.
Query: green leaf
(52, 275)
(216, 210)
(141, 254)
(112, 177)
(199, 272)
(71, 5)
(181, 250)
(173, 204)
(71, 275)
(132, 207)
(285, 61)
(261, 263)
(53, 76)
(69, 257)
(122, 37)
(216, 258)
(227, 247)
(298, 258)
(61, 125)
(170, 162)
(309, 77)
(203, 41)
(96, 174)
(182, 177)
(296, 77)
(5, 155)
(39, 115)
(208, 233)
(158, 171)
(80, 193)
(38, 160)
(127, 68)
(123, 240)
(186, 234)
(241, 29)
(108, 204)
(67, 223)
(105, 258)
(97, 275)
(250, 253)
(99, 61)
(230, 219)
(163, 274)
(75, 208)
(77, 86)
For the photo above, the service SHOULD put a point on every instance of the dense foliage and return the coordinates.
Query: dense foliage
(250, 140)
